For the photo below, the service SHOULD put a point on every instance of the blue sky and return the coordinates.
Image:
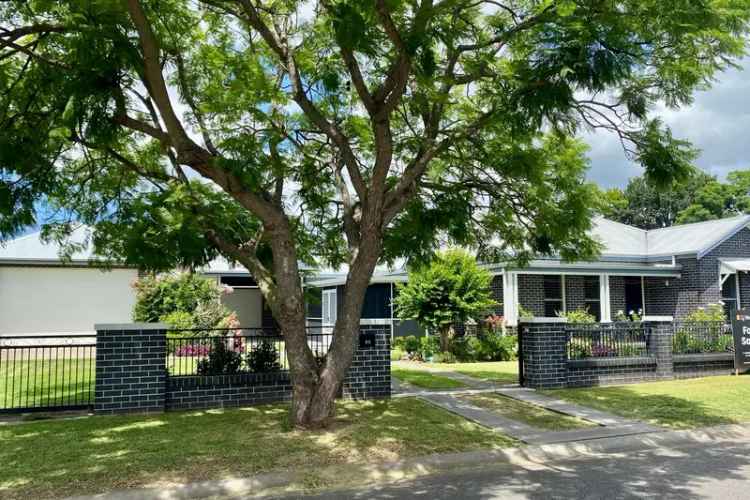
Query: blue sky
(717, 123)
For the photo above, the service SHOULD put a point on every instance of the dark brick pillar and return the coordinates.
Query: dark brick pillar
(369, 376)
(130, 368)
(545, 355)
(661, 348)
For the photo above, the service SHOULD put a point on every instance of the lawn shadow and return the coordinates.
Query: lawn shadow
(660, 409)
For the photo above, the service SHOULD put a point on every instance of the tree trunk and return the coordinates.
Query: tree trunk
(314, 395)
(446, 335)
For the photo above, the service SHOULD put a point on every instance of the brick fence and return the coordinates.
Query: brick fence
(131, 375)
(546, 364)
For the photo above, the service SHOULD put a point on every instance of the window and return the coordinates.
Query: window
(553, 296)
(591, 296)
(729, 294)
(239, 281)
(328, 304)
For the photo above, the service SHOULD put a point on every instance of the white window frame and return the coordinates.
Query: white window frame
(329, 309)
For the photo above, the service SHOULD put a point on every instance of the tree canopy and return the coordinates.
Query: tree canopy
(451, 289)
(699, 198)
(337, 131)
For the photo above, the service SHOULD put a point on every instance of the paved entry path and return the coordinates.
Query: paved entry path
(608, 425)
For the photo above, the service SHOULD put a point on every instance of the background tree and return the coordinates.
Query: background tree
(644, 205)
(451, 289)
(697, 198)
(337, 131)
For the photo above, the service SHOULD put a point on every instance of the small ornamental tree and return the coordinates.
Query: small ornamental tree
(451, 289)
(183, 300)
(330, 132)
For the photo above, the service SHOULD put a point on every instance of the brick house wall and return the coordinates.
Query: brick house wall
(616, 294)
(575, 297)
(496, 287)
(531, 293)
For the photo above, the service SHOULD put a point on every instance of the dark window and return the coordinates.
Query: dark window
(553, 295)
(238, 281)
(729, 295)
(591, 296)
(633, 296)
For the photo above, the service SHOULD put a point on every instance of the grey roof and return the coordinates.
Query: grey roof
(697, 239)
(32, 250)
(621, 242)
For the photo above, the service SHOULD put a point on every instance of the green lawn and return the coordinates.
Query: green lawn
(532, 415)
(97, 454)
(425, 379)
(25, 384)
(504, 372)
(680, 404)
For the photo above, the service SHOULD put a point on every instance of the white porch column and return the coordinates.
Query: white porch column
(604, 304)
(510, 298)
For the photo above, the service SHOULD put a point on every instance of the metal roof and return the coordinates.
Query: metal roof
(30, 249)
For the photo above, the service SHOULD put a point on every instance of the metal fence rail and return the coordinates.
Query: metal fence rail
(702, 338)
(608, 340)
(238, 350)
(47, 372)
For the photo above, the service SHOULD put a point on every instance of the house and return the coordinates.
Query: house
(661, 274)
(42, 294)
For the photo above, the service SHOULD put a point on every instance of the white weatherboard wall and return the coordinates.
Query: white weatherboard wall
(64, 300)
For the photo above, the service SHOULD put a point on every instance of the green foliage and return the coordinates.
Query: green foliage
(698, 198)
(410, 344)
(429, 345)
(444, 357)
(579, 317)
(183, 301)
(397, 354)
(452, 289)
(263, 358)
(713, 313)
(221, 360)
(524, 313)
(491, 346)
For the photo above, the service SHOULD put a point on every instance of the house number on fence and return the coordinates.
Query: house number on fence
(741, 330)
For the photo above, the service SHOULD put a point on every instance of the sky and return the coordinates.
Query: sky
(717, 123)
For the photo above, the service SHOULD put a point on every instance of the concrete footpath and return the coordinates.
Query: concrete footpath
(707, 463)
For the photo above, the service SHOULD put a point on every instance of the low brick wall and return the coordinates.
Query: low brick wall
(546, 364)
(702, 365)
(131, 375)
(221, 391)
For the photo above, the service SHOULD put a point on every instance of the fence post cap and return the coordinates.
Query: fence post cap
(104, 327)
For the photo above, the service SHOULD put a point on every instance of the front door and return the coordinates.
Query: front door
(633, 296)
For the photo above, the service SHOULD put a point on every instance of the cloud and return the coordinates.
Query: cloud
(717, 123)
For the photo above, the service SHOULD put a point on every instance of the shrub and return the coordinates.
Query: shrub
(465, 348)
(495, 347)
(713, 313)
(397, 354)
(603, 351)
(429, 345)
(221, 360)
(580, 350)
(411, 344)
(444, 357)
(183, 301)
(263, 358)
(579, 317)
(524, 313)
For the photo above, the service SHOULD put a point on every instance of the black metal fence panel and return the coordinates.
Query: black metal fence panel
(237, 350)
(613, 340)
(39, 373)
(702, 338)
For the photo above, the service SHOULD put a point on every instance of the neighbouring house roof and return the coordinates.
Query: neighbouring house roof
(32, 250)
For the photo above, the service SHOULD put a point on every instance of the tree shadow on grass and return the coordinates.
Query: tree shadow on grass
(660, 409)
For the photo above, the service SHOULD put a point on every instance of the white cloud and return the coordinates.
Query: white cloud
(717, 123)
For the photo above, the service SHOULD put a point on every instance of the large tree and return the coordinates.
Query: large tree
(337, 131)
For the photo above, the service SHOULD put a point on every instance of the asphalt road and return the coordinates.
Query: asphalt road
(717, 471)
